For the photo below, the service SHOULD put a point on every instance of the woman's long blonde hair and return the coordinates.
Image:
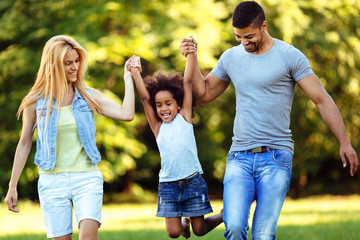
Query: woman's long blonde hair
(51, 82)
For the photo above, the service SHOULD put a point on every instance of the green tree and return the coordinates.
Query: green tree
(327, 32)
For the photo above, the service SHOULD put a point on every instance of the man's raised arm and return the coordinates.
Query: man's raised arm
(205, 89)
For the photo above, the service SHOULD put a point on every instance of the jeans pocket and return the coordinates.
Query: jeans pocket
(162, 185)
(39, 184)
(99, 174)
(231, 156)
(282, 157)
(198, 182)
(44, 182)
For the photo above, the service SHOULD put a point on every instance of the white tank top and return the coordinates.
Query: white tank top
(178, 152)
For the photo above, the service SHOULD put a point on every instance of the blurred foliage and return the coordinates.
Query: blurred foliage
(326, 31)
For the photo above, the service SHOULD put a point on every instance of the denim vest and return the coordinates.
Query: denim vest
(45, 156)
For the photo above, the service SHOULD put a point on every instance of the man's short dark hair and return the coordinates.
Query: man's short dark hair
(247, 13)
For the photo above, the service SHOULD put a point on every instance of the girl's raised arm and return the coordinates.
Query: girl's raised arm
(135, 68)
(186, 110)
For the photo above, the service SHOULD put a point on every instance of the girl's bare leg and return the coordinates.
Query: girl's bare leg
(175, 227)
(186, 226)
(202, 226)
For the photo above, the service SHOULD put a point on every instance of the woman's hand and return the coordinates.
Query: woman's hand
(11, 199)
(134, 64)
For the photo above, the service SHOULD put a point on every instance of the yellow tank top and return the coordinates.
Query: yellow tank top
(70, 154)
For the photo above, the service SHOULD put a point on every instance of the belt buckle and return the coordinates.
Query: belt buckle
(256, 150)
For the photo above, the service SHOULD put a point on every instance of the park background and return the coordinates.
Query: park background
(326, 31)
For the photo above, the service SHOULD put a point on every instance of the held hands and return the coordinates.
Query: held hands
(133, 64)
(127, 72)
(11, 200)
(188, 45)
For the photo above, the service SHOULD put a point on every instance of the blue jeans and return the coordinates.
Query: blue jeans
(184, 198)
(261, 177)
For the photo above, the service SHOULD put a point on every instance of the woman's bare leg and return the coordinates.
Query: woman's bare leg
(65, 237)
(88, 229)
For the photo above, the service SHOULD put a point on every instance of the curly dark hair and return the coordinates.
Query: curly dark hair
(172, 82)
(247, 13)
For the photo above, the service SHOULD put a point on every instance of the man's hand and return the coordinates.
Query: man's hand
(347, 152)
(188, 45)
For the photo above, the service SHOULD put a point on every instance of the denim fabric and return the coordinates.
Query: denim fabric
(261, 177)
(184, 198)
(45, 156)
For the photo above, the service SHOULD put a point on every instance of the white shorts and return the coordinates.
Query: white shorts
(59, 192)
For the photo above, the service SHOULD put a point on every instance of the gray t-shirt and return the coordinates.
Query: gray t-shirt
(264, 86)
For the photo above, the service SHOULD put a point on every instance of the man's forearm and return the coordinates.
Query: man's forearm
(332, 117)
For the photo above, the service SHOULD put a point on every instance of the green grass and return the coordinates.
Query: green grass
(321, 218)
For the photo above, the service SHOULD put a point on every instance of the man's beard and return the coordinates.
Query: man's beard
(254, 46)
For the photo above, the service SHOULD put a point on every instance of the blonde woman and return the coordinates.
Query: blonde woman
(61, 107)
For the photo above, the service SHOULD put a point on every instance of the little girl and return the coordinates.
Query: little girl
(182, 191)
